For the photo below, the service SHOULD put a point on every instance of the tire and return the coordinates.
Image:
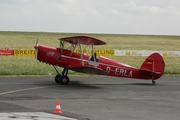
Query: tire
(64, 80)
(57, 78)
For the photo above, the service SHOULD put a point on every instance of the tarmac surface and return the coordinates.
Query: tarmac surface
(89, 98)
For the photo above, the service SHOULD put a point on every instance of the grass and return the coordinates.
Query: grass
(29, 66)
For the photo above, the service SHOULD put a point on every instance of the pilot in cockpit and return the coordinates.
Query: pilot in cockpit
(94, 57)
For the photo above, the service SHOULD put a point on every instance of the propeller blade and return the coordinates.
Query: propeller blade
(36, 48)
(37, 42)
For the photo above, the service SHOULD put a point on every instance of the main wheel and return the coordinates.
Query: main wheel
(64, 80)
(57, 78)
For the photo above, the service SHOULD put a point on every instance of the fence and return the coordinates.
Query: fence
(163, 53)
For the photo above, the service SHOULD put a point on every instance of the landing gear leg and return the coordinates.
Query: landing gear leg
(62, 78)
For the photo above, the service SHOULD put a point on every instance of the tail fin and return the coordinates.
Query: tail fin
(154, 64)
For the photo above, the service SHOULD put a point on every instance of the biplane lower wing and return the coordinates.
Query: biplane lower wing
(89, 70)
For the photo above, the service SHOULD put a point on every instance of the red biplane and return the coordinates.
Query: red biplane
(77, 54)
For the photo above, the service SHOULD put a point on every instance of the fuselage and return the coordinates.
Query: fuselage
(82, 63)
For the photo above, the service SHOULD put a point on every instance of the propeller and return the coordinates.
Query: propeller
(36, 48)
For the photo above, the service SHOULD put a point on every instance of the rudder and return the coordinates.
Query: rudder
(154, 64)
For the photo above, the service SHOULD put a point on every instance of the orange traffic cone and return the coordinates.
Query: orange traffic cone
(58, 108)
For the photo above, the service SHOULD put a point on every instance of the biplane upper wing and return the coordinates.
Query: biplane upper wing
(85, 40)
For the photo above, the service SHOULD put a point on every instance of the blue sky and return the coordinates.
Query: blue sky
(156, 17)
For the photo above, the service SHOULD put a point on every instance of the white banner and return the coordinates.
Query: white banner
(146, 53)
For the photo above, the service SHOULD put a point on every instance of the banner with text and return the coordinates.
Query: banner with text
(146, 53)
(24, 52)
(6, 52)
(99, 52)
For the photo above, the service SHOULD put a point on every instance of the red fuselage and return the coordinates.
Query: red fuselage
(82, 63)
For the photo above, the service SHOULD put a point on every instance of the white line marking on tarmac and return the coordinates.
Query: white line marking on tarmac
(20, 90)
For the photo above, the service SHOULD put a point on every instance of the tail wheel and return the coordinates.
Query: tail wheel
(153, 82)
(152, 78)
